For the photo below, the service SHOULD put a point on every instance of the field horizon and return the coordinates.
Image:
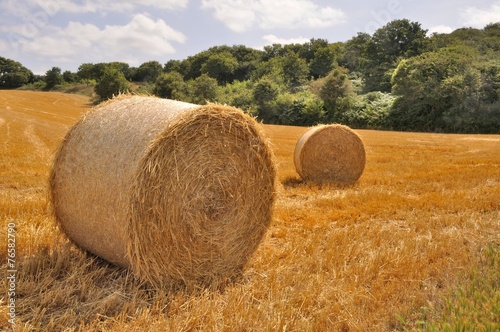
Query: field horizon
(371, 256)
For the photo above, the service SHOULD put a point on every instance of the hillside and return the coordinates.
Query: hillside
(380, 255)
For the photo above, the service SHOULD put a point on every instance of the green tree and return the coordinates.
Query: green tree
(272, 51)
(123, 67)
(53, 77)
(238, 94)
(355, 56)
(13, 74)
(272, 68)
(148, 72)
(446, 91)
(323, 62)
(247, 60)
(203, 89)
(87, 72)
(417, 83)
(265, 91)
(112, 83)
(171, 85)
(398, 39)
(370, 110)
(172, 65)
(191, 67)
(295, 70)
(69, 77)
(300, 109)
(91, 71)
(220, 66)
(336, 92)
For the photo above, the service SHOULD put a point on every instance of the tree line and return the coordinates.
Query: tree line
(398, 78)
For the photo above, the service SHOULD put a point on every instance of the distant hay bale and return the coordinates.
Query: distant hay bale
(330, 153)
(171, 190)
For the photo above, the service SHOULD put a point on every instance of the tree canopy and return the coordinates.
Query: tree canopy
(13, 74)
(397, 78)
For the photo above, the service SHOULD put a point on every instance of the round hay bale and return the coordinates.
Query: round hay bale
(171, 190)
(330, 153)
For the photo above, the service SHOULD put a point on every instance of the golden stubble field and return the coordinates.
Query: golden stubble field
(365, 257)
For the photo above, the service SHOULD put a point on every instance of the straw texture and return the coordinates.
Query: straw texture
(330, 153)
(172, 190)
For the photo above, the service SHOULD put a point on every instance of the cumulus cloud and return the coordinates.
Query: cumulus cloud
(478, 18)
(142, 36)
(105, 6)
(272, 39)
(241, 15)
(50, 8)
(440, 29)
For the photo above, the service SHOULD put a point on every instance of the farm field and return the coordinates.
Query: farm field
(366, 257)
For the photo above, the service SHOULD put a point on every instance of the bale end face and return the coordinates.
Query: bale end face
(208, 205)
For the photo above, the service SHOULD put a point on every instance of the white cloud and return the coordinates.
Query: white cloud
(478, 18)
(52, 7)
(104, 6)
(240, 15)
(272, 39)
(440, 29)
(142, 36)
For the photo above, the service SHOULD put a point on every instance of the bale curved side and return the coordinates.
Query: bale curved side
(330, 153)
(171, 190)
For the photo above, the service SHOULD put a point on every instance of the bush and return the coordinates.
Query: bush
(111, 83)
(370, 110)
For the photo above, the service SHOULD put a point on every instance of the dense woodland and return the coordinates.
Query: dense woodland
(399, 78)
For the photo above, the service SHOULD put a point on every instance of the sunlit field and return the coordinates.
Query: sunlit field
(373, 256)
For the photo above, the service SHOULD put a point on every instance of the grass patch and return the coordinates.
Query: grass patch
(474, 305)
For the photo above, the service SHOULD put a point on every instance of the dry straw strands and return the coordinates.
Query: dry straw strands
(330, 153)
(172, 190)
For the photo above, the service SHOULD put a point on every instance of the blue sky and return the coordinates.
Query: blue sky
(42, 34)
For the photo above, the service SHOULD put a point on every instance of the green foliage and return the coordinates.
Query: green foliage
(355, 56)
(397, 78)
(336, 92)
(172, 65)
(370, 110)
(238, 94)
(246, 58)
(69, 77)
(273, 68)
(295, 70)
(301, 109)
(220, 66)
(53, 77)
(86, 72)
(90, 71)
(13, 74)
(265, 92)
(203, 89)
(172, 86)
(112, 83)
(398, 39)
(148, 72)
(445, 91)
(322, 62)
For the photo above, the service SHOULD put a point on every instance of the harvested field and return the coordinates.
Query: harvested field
(362, 257)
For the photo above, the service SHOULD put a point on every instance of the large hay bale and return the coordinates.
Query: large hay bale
(172, 190)
(330, 153)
